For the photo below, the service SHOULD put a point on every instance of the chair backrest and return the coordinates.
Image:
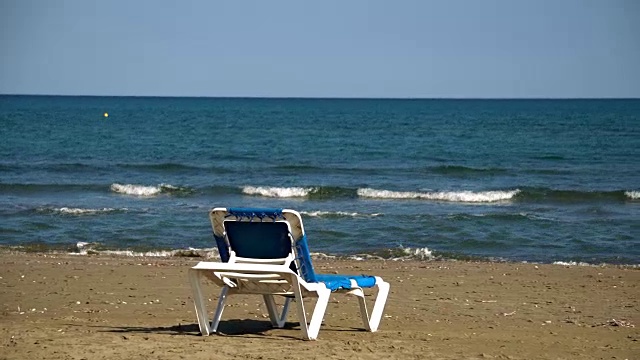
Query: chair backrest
(258, 240)
(262, 234)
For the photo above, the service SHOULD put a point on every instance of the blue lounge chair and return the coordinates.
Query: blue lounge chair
(264, 252)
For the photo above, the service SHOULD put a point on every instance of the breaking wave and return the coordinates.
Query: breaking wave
(407, 253)
(452, 196)
(633, 195)
(280, 192)
(81, 211)
(143, 190)
(87, 248)
(337, 214)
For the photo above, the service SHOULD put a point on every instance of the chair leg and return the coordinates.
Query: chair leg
(198, 301)
(302, 315)
(378, 306)
(372, 321)
(277, 320)
(318, 313)
(364, 313)
(221, 303)
(285, 310)
(310, 330)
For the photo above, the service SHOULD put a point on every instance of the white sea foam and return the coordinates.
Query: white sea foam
(130, 253)
(399, 254)
(139, 190)
(85, 248)
(80, 211)
(582, 263)
(572, 263)
(336, 213)
(319, 255)
(634, 195)
(418, 253)
(453, 196)
(158, 253)
(280, 192)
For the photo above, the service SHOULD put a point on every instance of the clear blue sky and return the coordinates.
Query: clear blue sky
(509, 48)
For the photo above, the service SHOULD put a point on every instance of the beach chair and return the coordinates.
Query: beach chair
(264, 252)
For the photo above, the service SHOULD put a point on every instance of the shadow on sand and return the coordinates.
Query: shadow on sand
(235, 327)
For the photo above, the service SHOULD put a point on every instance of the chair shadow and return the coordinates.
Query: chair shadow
(233, 327)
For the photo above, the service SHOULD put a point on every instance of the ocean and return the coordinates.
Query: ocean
(501, 180)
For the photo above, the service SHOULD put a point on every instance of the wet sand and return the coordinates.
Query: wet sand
(103, 307)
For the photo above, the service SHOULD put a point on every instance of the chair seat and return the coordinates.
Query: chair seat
(338, 281)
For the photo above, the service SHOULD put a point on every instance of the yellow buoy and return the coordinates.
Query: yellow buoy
(106, 114)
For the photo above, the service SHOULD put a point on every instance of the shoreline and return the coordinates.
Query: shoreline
(60, 306)
(424, 255)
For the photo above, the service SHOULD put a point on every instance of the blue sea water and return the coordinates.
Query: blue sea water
(517, 180)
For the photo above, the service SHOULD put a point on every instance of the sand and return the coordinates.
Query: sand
(103, 307)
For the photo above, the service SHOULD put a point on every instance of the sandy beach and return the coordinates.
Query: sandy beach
(103, 307)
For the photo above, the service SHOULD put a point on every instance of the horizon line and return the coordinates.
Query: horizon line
(328, 97)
